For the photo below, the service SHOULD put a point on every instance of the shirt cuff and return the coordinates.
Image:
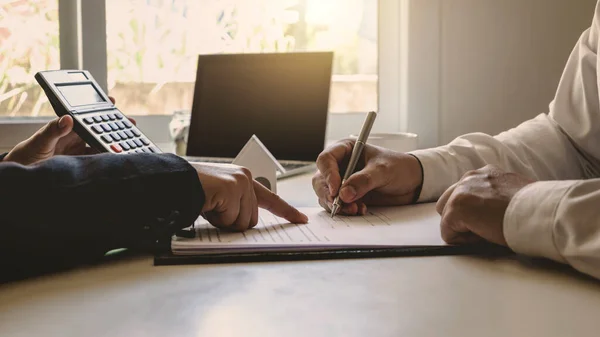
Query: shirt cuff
(436, 177)
(530, 219)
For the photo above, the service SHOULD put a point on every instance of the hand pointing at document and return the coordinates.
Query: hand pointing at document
(233, 198)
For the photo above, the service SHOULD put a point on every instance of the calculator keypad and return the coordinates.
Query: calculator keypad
(119, 134)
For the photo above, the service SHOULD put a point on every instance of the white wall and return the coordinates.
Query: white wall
(498, 62)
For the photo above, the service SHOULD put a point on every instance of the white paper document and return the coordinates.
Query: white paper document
(415, 226)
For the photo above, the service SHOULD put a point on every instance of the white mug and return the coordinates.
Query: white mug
(397, 141)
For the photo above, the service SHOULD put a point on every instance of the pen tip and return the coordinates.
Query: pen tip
(334, 210)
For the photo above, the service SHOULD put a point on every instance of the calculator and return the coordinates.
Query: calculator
(96, 119)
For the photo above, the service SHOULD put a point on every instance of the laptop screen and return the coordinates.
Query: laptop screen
(281, 98)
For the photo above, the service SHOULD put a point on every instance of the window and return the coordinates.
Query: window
(25, 51)
(153, 45)
(144, 52)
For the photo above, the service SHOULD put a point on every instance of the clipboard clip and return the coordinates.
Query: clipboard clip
(167, 227)
(188, 233)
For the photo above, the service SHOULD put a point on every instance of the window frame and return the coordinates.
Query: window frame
(81, 22)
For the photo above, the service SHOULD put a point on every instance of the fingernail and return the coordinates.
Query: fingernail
(304, 218)
(62, 122)
(348, 193)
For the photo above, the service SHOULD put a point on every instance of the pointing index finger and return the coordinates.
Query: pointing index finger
(274, 204)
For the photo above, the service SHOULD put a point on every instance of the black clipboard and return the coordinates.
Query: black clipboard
(167, 258)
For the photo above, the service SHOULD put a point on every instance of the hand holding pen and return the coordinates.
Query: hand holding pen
(356, 153)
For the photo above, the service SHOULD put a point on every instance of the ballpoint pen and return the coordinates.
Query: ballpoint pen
(356, 152)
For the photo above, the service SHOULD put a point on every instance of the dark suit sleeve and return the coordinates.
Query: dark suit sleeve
(72, 210)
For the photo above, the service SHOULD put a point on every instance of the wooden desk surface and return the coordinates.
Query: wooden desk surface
(433, 296)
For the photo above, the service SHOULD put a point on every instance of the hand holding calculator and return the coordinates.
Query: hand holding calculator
(96, 119)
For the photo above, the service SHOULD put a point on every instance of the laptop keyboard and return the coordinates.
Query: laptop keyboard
(292, 166)
(286, 165)
(217, 160)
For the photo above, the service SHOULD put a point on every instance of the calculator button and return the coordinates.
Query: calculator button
(98, 119)
(120, 125)
(153, 149)
(97, 129)
(132, 144)
(116, 137)
(119, 116)
(145, 141)
(138, 142)
(106, 139)
(106, 127)
(122, 134)
(105, 118)
(113, 126)
(116, 148)
(112, 117)
(88, 120)
(127, 124)
(136, 132)
(129, 133)
(145, 150)
(125, 146)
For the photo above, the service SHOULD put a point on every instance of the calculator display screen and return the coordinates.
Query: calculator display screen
(80, 94)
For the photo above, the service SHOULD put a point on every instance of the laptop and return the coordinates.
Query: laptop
(282, 98)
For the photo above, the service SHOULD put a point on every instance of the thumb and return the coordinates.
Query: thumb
(361, 183)
(274, 204)
(50, 134)
(57, 128)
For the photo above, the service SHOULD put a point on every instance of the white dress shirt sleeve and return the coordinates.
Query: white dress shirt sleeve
(559, 216)
(559, 220)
